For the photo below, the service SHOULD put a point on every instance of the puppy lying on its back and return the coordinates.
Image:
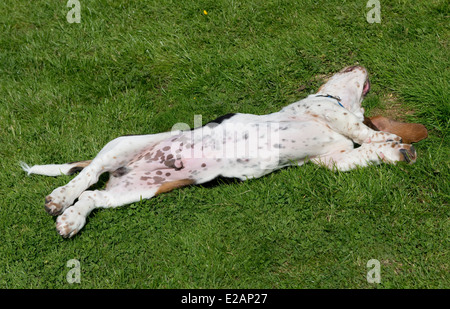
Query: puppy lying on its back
(322, 128)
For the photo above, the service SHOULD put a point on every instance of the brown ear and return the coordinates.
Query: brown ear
(409, 132)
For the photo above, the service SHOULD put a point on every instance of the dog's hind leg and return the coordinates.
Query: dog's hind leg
(74, 217)
(116, 154)
(72, 220)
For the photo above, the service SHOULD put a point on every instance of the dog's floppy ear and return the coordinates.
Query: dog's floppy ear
(409, 132)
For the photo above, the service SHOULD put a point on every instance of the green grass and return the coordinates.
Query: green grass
(138, 67)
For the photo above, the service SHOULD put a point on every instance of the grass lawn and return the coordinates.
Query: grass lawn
(139, 67)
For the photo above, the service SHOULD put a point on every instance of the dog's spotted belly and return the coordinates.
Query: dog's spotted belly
(244, 151)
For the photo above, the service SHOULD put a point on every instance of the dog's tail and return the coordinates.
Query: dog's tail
(55, 169)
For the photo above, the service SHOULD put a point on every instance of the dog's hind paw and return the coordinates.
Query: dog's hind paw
(70, 222)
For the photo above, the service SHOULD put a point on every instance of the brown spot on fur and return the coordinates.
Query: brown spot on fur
(170, 163)
(159, 155)
(158, 180)
(148, 156)
(169, 186)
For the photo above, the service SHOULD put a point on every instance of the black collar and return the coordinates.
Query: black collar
(338, 99)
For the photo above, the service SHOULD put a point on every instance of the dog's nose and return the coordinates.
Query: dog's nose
(349, 69)
(352, 68)
(409, 155)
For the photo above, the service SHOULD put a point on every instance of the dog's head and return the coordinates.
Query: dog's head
(350, 85)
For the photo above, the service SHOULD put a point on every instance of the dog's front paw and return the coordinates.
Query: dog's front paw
(70, 222)
(394, 152)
